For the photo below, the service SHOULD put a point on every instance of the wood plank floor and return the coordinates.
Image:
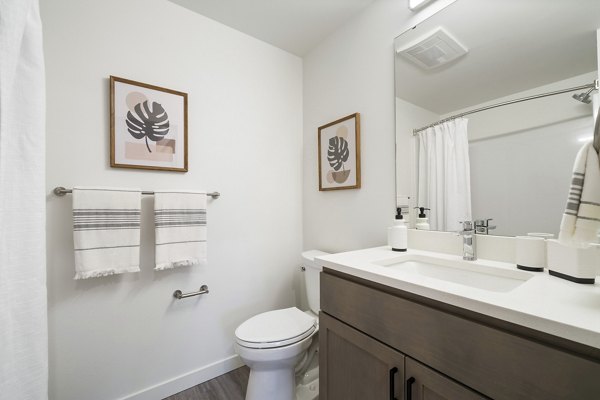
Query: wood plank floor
(231, 386)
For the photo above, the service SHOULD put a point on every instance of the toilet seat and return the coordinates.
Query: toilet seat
(277, 328)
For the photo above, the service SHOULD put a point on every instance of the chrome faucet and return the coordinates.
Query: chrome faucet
(468, 235)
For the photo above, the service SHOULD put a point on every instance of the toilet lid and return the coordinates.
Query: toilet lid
(275, 328)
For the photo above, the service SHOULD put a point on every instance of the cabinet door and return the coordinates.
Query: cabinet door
(423, 383)
(353, 366)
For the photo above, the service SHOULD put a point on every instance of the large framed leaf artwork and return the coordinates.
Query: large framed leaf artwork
(339, 154)
(148, 126)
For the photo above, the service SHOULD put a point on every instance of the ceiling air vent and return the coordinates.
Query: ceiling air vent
(434, 50)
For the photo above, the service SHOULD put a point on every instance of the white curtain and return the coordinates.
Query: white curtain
(596, 109)
(595, 105)
(23, 312)
(444, 174)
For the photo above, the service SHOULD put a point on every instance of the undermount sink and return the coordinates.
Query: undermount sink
(467, 273)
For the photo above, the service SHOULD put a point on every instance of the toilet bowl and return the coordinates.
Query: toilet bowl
(272, 343)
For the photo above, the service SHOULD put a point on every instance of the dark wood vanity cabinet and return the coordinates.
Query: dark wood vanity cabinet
(423, 383)
(355, 366)
(378, 342)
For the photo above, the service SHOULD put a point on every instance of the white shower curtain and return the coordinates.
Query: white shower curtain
(444, 176)
(596, 109)
(23, 313)
(595, 105)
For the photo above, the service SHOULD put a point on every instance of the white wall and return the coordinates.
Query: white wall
(114, 336)
(353, 71)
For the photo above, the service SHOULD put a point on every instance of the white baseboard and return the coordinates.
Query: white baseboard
(193, 378)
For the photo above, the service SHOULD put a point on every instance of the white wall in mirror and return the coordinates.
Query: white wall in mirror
(523, 154)
(529, 114)
(529, 170)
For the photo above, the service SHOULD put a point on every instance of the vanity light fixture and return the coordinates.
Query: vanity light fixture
(414, 5)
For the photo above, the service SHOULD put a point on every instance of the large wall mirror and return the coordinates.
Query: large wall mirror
(511, 163)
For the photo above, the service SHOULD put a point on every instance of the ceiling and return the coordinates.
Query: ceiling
(296, 26)
(513, 46)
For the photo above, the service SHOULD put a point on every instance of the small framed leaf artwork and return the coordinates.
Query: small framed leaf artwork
(339, 154)
(148, 126)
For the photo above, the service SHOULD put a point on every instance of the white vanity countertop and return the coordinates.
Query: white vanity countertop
(543, 302)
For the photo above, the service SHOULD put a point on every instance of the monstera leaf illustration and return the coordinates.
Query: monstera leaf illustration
(338, 152)
(150, 123)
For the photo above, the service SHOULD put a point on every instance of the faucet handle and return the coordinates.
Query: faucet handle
(482, 226)
(483, 222)
(467, 225)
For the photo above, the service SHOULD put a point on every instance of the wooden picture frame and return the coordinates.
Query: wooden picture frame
(148, 126)
(339, 154)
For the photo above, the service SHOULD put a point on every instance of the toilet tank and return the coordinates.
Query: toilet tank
(312, 279)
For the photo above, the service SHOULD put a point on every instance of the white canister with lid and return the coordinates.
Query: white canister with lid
(530, 254)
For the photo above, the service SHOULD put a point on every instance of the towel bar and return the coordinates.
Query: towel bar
(178, 294)
(61, 191)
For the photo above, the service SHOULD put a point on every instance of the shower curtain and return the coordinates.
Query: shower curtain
(23, 314)
(596, 110)
(444, 176)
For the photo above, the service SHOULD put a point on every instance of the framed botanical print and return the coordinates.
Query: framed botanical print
(339, 154)
(148, 126)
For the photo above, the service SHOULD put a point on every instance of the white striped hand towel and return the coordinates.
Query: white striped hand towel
(106, 231)
(581, 220)
(180, 226)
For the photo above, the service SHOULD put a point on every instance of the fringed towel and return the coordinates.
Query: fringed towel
(581, 220)
(106, 231)
(180, 225)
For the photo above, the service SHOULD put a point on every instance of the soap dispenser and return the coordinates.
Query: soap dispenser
(398, 233)
(422, 220)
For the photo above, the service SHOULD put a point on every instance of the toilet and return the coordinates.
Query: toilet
(273, 343)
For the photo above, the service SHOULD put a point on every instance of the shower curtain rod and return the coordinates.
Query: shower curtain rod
(593, 85)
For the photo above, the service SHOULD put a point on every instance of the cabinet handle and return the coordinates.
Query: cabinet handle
(393, 372)
(409, 383)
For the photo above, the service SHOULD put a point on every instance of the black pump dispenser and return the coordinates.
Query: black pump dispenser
(422, 212)
(399, 213)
